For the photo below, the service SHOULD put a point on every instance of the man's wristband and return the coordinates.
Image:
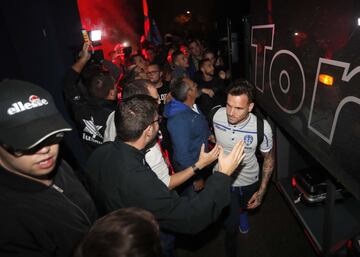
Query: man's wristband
(195, 169)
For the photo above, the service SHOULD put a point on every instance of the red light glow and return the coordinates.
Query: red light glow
(113, 18)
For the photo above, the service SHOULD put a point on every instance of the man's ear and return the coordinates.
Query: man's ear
(112, 94)
(251, 106)
(187, 93)
(148, 130)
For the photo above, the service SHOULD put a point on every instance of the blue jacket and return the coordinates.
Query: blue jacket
(188, 131)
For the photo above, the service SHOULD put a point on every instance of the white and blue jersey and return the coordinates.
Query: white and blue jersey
(227, 135)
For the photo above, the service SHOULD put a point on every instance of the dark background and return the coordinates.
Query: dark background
(39, 38)
(310, 35)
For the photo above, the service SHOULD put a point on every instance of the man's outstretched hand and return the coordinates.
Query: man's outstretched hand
(228, 163)
(207, 158)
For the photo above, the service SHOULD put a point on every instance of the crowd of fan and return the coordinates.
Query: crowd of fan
(153, 108)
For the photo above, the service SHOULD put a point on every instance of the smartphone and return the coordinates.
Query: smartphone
(85, 36)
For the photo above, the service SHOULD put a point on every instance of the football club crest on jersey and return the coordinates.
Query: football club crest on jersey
(248, 139)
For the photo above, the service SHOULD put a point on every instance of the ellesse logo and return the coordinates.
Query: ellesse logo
(34, 102)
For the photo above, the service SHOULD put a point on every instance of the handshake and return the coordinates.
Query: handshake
(227, 163)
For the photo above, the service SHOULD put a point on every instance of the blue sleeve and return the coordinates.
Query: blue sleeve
(180, 131)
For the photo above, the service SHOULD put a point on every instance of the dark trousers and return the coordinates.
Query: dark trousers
(239, 199)
(168, 243)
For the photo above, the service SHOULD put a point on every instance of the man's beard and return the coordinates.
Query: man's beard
(232, 123)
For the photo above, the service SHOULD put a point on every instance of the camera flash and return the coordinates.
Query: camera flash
(95, 35)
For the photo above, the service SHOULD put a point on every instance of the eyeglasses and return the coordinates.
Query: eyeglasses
(52, 140)
(152, 72)
(158, 120)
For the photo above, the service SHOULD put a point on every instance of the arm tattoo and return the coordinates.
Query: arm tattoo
(267, 169)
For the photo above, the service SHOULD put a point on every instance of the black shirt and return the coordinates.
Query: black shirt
(163, 91)
(89, 114)
(40, 220)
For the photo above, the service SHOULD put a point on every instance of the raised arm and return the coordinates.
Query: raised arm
(71, 89)
(84, 56)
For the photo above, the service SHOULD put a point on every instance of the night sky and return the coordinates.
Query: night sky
(206, 14)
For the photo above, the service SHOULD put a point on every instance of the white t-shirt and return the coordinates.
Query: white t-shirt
(227, 135)
(110, 130)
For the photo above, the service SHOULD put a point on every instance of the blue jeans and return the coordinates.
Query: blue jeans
(239, 199)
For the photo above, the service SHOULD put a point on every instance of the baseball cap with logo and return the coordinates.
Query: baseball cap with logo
(28, 115)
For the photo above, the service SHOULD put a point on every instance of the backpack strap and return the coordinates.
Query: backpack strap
(260, 131)
(212, 113)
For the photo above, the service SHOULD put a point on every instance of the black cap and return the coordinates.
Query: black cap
(28, 115)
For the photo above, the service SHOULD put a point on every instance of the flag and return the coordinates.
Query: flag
(151, 31)
(146, 21)
(156, 38)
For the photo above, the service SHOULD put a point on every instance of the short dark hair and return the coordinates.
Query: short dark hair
(101, 85)
(175, 55)
(156, 64)
(194, 40)
(202, 62)
(241, 87)
(133, 116)
(98, 81)
(133, 56)
(179, 89)
(136, 87)
(124, 232)
(209, 51)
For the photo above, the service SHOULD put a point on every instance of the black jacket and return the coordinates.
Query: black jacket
(205, 102)
(119, 177)
(39, 220)
(89, 114)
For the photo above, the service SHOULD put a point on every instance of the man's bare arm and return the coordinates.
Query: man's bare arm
(84, 56)
(268, 167)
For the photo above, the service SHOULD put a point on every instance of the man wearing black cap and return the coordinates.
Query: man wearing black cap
(44, 209)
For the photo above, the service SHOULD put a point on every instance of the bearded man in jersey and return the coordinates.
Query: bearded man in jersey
(233, 123)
